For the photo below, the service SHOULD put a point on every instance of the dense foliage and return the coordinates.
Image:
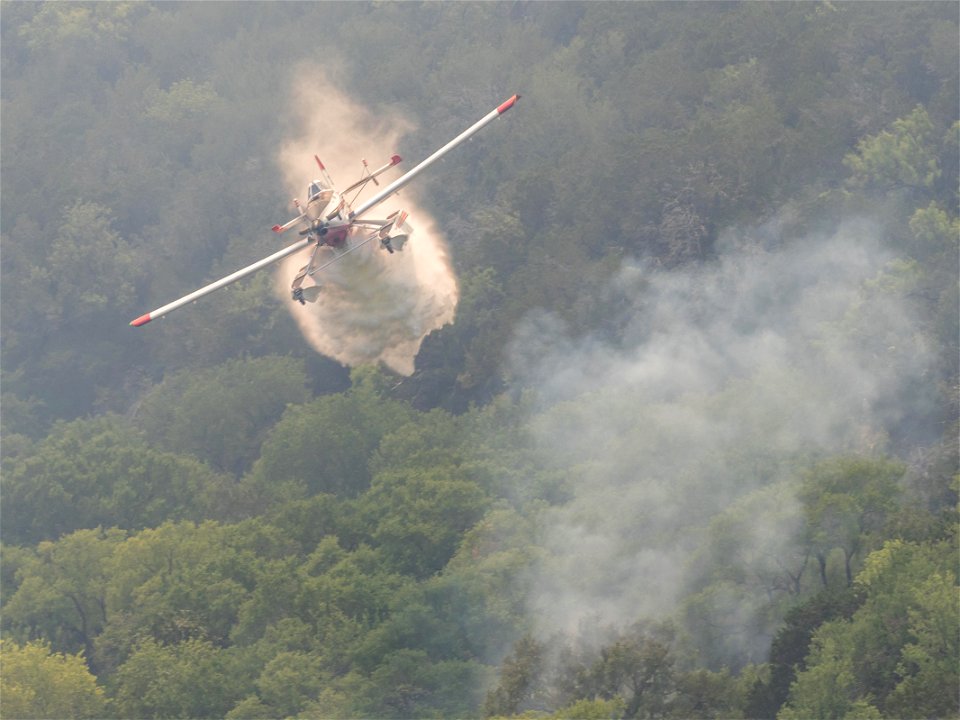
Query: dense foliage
(206, 519)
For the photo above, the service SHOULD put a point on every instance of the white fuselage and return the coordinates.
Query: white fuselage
(319, 198)
(324, 212)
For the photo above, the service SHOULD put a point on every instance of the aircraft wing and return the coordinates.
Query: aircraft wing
(462, 137)
(222, 282)
(354, 217)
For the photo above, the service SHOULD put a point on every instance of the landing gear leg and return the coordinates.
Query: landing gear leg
(296, 289)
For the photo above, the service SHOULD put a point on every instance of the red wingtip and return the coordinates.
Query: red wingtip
(277, 228)
(317, 158)
(395, 159)
(508, 104)
(142, 320)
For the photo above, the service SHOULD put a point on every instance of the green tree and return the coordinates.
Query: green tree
(359, 587)
(595, 709)
(408, 684)
(61, 592)
(68, 347)
(904, 157)
(189, 679)
(271, 601)
(935, 230)
(101, 472)
(828, 688)
(753, 561)
(309, 522)
(289, 681)
(459, 363)
(740, 129)
(51, 27)
(90, 267)
(891, 650)
(791, 644)
(706, 694)
(324, 446)
(39, 683)
(930, 661)
(428, 439)
(846, 501)
(176, 115)
(419, 516)
(250, 708)
(936, 235)
(222, 414)
(478, 592)
(638, 668)
(177, 582)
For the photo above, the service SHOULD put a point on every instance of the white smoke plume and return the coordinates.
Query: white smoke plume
(729, 376)
(373, 306)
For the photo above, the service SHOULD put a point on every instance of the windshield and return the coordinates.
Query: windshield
(316, 187)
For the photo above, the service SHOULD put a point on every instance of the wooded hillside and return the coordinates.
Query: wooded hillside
(688, 450)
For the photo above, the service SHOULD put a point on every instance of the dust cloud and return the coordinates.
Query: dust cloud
(374, 307)
(729, 377)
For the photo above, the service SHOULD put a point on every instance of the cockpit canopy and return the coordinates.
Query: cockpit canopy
(318, 191)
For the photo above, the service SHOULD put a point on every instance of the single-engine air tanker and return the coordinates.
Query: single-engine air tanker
(328, 219)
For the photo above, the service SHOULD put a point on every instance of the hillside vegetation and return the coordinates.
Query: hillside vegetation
(688, 450)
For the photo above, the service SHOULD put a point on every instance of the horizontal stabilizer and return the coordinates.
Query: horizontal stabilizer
(286, 226)
(395, 160)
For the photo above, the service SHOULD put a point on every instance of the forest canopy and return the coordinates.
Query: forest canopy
(686, 449)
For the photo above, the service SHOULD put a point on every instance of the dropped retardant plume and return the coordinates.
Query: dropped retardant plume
(374, 307)
(729, 376)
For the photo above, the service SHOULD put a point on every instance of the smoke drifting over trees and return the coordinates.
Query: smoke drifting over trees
(726, 379)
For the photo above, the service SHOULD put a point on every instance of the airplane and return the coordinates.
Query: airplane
(329, 219)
